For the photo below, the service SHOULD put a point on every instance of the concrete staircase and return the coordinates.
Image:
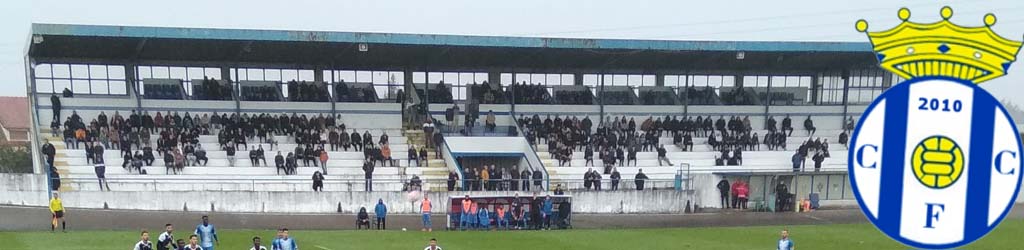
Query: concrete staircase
(434, 169)
(59, 159)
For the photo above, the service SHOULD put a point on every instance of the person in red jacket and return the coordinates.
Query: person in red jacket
(734, 190)
(743, 193)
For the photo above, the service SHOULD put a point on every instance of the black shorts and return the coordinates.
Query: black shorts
(58, 214)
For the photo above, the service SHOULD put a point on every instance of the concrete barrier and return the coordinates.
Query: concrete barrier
(30, 190)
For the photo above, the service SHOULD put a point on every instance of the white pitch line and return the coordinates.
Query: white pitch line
(322, 247)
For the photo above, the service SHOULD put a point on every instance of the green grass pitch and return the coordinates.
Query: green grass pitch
(838, 236)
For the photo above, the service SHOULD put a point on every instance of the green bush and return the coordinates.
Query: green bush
(15, 159)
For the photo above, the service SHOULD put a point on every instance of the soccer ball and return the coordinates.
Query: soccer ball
(403, 229)
(937, 161)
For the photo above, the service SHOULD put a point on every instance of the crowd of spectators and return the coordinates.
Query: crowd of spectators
(487, 93)
(261, 93)
(530, 93)
(706, 96)
(499, 178)
(656, 97)
(164, 92)
(741, 96)
(212, 90)
(345, 93)
(574, 97)
(625, 97)
(177, 139)
(307, 91)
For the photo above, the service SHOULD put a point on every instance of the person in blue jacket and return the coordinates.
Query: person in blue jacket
(546, 212)
(381, 211)
(484, 218)
(473, 220)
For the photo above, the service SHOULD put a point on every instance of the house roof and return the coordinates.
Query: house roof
(14, 112)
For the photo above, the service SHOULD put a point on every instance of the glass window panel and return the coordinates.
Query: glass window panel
(553, 79)
(44, 70)
(98, 72)
(61, 71)
(620, 80)
(461, 95)
(419, 77)
(715, 81)
(80, 86)
(522, 78)
(273, 75)
(671, 81)
(346, 75)
(364, 76)
(480, 77)
(289, 75)
(195, 73)
(80, 71)
(255, 74)
(159, 72)
(568, 79)
(306, 75)
(590, 79)
(60, 85)
(177, 73)
(506, 79)
(99, 87)
(451, 77)
(435, 77)
(44, 85)
(465, 79)
(118, 87)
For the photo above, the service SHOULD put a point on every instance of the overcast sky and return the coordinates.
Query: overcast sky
(789, 20)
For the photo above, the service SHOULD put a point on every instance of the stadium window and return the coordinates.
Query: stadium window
(592, 81)
(506, 79)
(185, 74)
(91, 79)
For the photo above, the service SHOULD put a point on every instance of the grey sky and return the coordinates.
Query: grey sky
(790, 20)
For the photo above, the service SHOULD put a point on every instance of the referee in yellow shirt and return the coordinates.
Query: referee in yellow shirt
(57, 209)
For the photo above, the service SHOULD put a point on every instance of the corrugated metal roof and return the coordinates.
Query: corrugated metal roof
(443, 40)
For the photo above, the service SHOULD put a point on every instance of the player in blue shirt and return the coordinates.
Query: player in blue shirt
(283, 242)
(207, 234)
(785, 243)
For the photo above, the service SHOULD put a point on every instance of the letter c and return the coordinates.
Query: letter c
(860, 155)
(999, 162)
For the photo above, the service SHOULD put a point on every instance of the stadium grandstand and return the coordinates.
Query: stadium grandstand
(493, 115)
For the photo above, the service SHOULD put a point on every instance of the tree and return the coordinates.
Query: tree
(15, 159)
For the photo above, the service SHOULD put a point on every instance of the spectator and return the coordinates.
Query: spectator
(559, 190)
(538, 178)
(818, 158)
(525, 176)
(318, 182)
(279, 162)
(723, 190)
(200, 156)
(362, 219)
(640, 179)
(787, 124)
(368, 172)
(615, 179)
(797, 159)
(381, 212)
(323, 159)
(49, 151)
(844, 139)
(489, 122)
(662, 156)
(809, 126)
(411, 154)
(452, 178)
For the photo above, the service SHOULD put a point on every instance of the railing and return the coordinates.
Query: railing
(293, 185)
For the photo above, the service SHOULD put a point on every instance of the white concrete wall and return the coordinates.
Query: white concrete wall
(30, 190)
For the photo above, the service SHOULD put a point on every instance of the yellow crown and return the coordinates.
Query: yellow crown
(912, 50)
